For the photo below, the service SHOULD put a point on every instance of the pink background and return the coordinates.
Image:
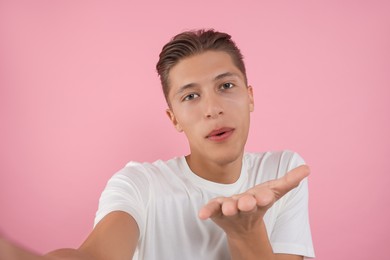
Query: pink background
(79, 97)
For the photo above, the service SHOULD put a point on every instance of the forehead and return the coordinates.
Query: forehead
(201, 68)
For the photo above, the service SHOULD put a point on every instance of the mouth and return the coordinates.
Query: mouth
(220, 134)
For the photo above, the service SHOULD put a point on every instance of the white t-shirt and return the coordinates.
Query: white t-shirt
(164, 198)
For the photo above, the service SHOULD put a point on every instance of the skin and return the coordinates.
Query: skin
(207, 92)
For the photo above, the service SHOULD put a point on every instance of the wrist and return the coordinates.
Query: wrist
(251, 244)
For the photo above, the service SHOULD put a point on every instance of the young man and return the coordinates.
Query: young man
(218, 202)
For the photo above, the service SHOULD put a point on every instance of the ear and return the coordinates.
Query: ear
(172, 117)
(251, 99)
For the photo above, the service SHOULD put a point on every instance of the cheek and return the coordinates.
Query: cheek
(238, 104)
(186, 118)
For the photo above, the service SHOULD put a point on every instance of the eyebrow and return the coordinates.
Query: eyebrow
(218, 77)
(226, 75)
(185, 87)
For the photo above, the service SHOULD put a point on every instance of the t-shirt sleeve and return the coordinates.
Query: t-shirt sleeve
(123, 192)
(291, 233)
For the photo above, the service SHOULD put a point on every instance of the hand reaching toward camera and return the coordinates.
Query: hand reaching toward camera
(241, 216)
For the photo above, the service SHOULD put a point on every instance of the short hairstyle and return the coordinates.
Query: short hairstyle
(189, 43)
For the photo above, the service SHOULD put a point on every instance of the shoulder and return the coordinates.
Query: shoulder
(274, 156)
(146, 172)
(131, 188)
(273, 163)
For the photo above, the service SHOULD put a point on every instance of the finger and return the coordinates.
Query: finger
(265, 197)
(289, 181)
(211, 209)
(229, 207)
(246, 203)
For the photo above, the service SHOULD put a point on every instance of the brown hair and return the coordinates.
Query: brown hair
(189, 43)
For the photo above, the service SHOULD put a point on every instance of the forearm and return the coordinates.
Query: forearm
(68, 253)
(252, 245)
(11, 251)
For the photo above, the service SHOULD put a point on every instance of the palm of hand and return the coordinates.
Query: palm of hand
(243, 213)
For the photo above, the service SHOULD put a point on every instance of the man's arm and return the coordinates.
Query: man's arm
(241, 216)
(114, 237)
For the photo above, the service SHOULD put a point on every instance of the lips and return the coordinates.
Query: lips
(220, 134)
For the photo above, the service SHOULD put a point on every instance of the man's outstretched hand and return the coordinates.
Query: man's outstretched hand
(241, 213)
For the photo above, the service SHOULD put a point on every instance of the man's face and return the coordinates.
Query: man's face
(211, 103)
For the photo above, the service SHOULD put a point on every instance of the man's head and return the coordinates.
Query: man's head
(190, 43)
(203, 76)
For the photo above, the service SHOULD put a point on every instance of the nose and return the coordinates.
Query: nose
(213, 108)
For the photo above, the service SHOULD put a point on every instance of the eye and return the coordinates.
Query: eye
(190, 97)
(227, 85)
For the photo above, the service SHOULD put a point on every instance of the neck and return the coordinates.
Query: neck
(220, 172)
